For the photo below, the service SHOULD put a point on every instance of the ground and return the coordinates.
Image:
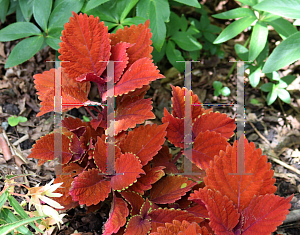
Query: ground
(275, 129)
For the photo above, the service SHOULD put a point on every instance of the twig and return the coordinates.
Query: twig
(5, 149)
(23, 138)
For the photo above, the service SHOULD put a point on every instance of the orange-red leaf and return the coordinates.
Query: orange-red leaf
(218, 122)
(206, 146)
(131, 113)
(181, 228)
(117, 216)
(85, 45)
(240, 188)
(126, 174)
(170, 188)
(265, 213)
(139, 36)
(163, 158)
(145, 141)
(135, 200)
(137, 225)
(222, 213)
(90, 188)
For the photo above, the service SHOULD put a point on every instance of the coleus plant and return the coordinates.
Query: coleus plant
(148, 192)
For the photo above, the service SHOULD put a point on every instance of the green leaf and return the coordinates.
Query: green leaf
(296, 22)
(129, 5)
(53, 37)
(14, 203)
(14, 223)
(195, 23)
(248, 2)
(26, 8)
(284, 95)
(157, 56)
(267, 87)
(183, 22)
(254, 76)
(19, 14)
(22, 119)
(192, 30)
(173, 25)
(12, 7)
(267, 17)
(3, 198)
(186, 41)
(24, 50)
(234, 29)
(283, 27)
(274, 76)
(258, 40)
(213, 29)
(13, 120)
(174, 55)
(192, 3)
(135, 20)
(235, 13)
(272, 96)
(3, 9)
(85, 118)
(110, 25)
(217, 85)
(204, 22)
(285, 8)
(194, 54)
(41, 12)
(281, 84)
(63, 11)
(263, 55)
(225, 91)
(209, 36)
(254, 101)
(241, 51)
(92, 4)
(285, 53)
(18, 30)
(158, 11)
(288, 79)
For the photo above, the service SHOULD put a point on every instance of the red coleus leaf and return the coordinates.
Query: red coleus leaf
(163, 158)
(218, 122)
(135, 200)
(161, 216)
(145, 182)
(85, 47)
(222, 213)
(199, 210)
(170, 188)
(43, 149)
(145, 141)
(126, 174)
(181, 228)
(178, 103)
(140, 73)
(139, 36)
(240, 188)
(265, 213)
(74, 125)
(206, 146)
(138, 225)
(132, 112)
(117, 216)
(74, 94)
(90, 187)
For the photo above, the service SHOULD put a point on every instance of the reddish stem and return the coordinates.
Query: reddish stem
(177, 157)
(89, 111)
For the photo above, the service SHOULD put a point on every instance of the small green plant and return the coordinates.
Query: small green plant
(220, 90)
(15, 218)
(14, 120)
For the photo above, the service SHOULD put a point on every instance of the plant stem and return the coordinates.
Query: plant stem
(89, 111)
(177, 157)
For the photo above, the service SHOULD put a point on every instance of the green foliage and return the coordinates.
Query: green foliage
(220, 90)
(14, 120)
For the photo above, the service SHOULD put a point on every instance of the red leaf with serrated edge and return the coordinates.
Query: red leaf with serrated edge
(140, 73)
(120, 58)
(146, 208)
(145, 182)
(206, 146)
(117, 216)
(43, 149)
(170, 188)
(240, 188)
(131, 113)
(218, 122)
(99, 155)
(199, 210)
(161, 216)
(175, 129)
(73, 124)
(85, 45)
(181, 228)
(145, 141)
(135, 200)
(222, 213)
(163, 158)
(138, 225)
(90, 188)
(265, 213)
(178, 103)
(139, 36)
(126, 174)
